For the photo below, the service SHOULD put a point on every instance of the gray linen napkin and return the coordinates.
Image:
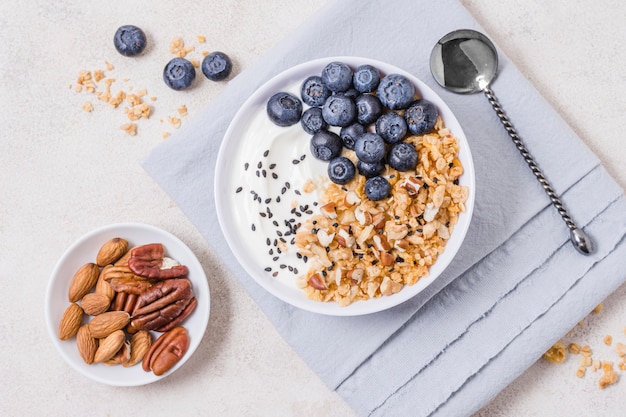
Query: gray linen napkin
(516, 284)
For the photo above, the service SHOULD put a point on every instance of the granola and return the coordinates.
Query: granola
(359, 249)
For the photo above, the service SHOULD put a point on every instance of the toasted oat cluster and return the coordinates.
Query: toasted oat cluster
(359, 249)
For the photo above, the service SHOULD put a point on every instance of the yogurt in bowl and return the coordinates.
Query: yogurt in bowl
(270, 190)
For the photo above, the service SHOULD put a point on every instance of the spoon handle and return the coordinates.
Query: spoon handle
(580, 240)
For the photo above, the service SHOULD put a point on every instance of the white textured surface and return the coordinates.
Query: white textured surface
(65, 172)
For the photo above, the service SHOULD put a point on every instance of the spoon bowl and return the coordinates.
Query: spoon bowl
(466, 61)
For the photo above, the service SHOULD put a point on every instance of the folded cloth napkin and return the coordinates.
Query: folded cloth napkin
(517, 283)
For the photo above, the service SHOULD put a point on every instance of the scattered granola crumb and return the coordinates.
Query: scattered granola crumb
(174, 121)
(205, 53)
(129, 128)
(195, 63)
(556, 354)
(109, 66)
(166, 135)
(598, 309)
(580, 372)
(88, 107)
(178, 48)
(201, 38)
(608, 340)
(574, 348)
(182, 110)
(609, 377)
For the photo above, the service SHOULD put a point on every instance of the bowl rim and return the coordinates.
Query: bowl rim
(200, 315)
(273, 85)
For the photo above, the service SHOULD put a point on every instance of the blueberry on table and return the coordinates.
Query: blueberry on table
(402, 156)
(421, 117)
(129, 40)
(337, 76)
(369, 108)
(341, 170)
(339, 110)
(314, 92)
(216, 66)
(326, 145)
(377, 188)
(366, 78)
(284, 109)
(369, 170)
(348, 134)
(370, 147)
(312, 121)
(392, 127)
(395, 91)
(179, 73)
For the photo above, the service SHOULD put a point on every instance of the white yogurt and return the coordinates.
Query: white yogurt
(285, 147)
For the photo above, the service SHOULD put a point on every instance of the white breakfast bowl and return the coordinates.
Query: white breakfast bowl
(236, 216)
(84, 250)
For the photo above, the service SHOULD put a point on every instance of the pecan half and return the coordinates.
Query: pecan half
(158, 305)
(147, 261)
(166, 351)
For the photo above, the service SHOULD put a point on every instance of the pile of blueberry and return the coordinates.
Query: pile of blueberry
(179, 73)
(374, 113)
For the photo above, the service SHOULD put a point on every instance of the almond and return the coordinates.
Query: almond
(94, 303)
(70, 321)
(86, 344)
(109, 346)
(121, 356)
(83, 281)
(140, 343)
(102, 286)
(106, 323)
(111, 251)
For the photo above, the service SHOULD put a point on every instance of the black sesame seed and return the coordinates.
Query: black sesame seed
(268, 269)
(399, 259)
(268, 200)
(259, 165)
(245, 166)
(298, 255)
(275, 258)
(287, 185)
(298, 192)
(290, 268)
(435, 180)
(258, 174)
(302, 157)
(262, 214)
(305, 258)
(272, 166)
(238, 190)
(283, 190)
(282, 266)
(295, 161)
(278, 199)
(267, 152)
(309, 212)
(253, 227)
(295, 270)
(455, 182)
(275, 223)
(279, 233)
(264, 173)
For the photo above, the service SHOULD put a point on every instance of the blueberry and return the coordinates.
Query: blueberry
(366, 78)
(326, 145)
(129, 40)
(179, 73)
(370, 147)
(339, 110)
(216, 66)
(369, 170)
(395, 91)
(312, 120)
(337, 76)
(348, 134)
(314, 92)
(368, 108)
(352, 93)
(421, 117)
(284, 109)
(402, 156)
(341, 170)
(377, 188)
(392, 127)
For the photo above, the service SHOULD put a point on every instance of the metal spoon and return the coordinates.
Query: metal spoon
(465, 61)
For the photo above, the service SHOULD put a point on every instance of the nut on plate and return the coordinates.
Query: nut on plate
(87, 345)
(70, 321)
(104, 324)
(109, 346)
(94, 303)
(148, 261)
(111, 251)
(168, 349)
(140, 343)
(83, 281)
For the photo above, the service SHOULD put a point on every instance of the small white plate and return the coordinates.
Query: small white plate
(232, 214)
(84, 250)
